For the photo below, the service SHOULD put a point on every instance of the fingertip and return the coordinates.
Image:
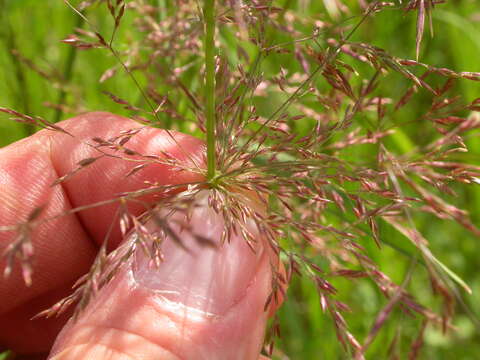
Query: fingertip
(112, 175)
(204, 303)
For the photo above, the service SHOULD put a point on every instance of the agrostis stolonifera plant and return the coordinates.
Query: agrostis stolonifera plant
(277, 173)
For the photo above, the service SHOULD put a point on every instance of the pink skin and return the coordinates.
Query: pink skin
(128, 320)
(204, 304)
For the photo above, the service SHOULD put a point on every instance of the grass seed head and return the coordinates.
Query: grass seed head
(289, 173)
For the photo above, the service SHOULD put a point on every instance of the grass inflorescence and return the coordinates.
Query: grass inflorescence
(288, 104)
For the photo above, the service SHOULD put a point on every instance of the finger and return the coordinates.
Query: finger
(106, 178)
(33, 337)
(204, 303)
(65, 247)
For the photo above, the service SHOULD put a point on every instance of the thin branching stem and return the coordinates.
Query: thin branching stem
(132, 76)
(297, 93)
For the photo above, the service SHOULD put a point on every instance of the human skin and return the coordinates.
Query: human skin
(127, 320)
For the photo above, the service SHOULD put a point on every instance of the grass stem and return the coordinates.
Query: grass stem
(67, 74)
(209, 18)
(8, 36)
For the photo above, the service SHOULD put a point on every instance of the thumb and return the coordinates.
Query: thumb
(200, 303)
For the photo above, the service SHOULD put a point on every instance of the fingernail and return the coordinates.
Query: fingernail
(208, 279)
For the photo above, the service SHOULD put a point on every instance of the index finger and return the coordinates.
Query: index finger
(65, 247)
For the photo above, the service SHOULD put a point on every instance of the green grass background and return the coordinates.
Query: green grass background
(36, 27)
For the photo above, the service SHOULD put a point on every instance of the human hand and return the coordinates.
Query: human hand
(127, 320)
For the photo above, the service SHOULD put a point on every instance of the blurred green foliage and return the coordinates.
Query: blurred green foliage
(35, 29)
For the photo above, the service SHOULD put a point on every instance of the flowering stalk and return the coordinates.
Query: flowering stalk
(209, 44)
(324, 196)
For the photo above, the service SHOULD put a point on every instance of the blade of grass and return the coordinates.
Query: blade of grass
(8, 36)
(67, 74)
(452, 275)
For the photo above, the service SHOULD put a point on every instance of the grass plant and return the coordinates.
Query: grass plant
(363, 157)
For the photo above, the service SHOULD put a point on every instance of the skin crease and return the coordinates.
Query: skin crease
(125, 321)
